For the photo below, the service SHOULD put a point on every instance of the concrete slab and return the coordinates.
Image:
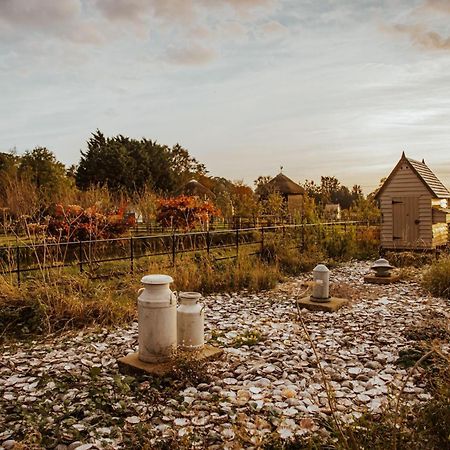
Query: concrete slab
(381, 280)
(131, 364)
(332, 306)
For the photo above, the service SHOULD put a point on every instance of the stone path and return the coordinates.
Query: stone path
(69, 389)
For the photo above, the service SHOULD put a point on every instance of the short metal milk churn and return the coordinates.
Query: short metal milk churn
(321, 287)
(190, 321)
(157, 319)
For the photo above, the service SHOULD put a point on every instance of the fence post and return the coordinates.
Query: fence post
(18, 264)
(237, 242)
(208, 242)
(80, 255)
(303, 236)
(262, 239)
(131, 255)
(174, 248)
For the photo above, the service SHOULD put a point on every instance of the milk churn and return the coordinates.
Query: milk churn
(321, 288)
(190, 321)
(157, 319)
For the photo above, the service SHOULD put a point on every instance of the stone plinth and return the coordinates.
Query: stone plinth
(131, 364)
(332, 306)
(381, 280)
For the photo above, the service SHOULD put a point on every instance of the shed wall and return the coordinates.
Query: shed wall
(405, 183)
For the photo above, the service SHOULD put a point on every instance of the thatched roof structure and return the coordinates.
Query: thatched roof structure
(195, 188)
(285, 185)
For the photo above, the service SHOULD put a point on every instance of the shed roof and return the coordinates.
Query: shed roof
(285, 185)
(424, 173)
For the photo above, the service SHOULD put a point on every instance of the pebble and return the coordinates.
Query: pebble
(272, 386)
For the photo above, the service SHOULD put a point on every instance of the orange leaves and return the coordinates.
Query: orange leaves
(185, 212)
(72, 223)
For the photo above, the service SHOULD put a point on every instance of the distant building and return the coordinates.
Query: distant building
(196, 189)
(332, 211)
(413, 204)
(291, 192)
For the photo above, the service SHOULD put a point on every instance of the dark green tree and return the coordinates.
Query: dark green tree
(125, 164)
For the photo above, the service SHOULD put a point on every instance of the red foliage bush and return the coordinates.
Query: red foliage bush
(185, 212)
(73, 223)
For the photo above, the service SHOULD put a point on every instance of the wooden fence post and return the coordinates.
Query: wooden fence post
(237, 242)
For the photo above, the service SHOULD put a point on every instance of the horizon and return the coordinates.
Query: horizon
(246, 86)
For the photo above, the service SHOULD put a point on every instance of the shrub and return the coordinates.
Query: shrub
(409, 259)
(437, 278)
(291, 260)
(73, 223)
(185, 212)
(208, 276)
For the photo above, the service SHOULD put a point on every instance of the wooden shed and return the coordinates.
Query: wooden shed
(291, 192)
(413, 204)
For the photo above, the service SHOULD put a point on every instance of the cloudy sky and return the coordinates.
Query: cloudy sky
(320, 87)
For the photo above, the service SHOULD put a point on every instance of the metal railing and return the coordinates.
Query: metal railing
(21, 259)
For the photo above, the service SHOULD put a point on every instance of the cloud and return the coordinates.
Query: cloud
(38, 13)
(423, 29)
(273, 27)
(420, 36)
(437, 5)
(191, 56)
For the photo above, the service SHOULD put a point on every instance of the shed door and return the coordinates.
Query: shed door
(405, 215)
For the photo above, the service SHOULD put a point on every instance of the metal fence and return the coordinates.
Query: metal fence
(218, 244)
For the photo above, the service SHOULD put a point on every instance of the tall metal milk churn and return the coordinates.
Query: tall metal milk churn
(157, 319)
(321, 288)
(190, 321)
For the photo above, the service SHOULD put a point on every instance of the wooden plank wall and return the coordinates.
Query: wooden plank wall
(405, 183)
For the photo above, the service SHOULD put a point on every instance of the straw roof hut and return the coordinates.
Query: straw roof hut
(196, 189)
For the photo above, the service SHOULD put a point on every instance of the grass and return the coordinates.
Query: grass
(437, 278)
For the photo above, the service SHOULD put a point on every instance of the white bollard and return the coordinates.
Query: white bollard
(321, 287)
(157, 319)
(190, 321)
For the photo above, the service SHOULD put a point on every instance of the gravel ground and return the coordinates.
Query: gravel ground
(67, 392)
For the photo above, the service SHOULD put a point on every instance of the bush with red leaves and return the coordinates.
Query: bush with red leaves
(73, 223)
(185, 212)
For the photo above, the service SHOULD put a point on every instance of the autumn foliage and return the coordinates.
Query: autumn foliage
(72, 223)
(185, 212)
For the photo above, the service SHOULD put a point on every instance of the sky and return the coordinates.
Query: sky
(318, 87)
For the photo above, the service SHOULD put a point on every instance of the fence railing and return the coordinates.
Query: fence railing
(219, 244)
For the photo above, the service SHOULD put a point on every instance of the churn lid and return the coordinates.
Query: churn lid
(157, 279)
(321, 268)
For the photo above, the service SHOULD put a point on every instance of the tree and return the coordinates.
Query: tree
(184, 166)
(125, 164)
(263, 189)
(44, 171)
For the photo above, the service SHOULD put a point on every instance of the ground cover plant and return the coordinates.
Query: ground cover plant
(437, 278)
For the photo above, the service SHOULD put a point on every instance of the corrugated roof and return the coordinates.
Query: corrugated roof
(429, 178)
(285, 185)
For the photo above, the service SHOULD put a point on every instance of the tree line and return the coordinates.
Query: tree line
(120, 169)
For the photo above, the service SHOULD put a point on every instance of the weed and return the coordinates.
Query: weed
(437, 278)
(248, 337)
